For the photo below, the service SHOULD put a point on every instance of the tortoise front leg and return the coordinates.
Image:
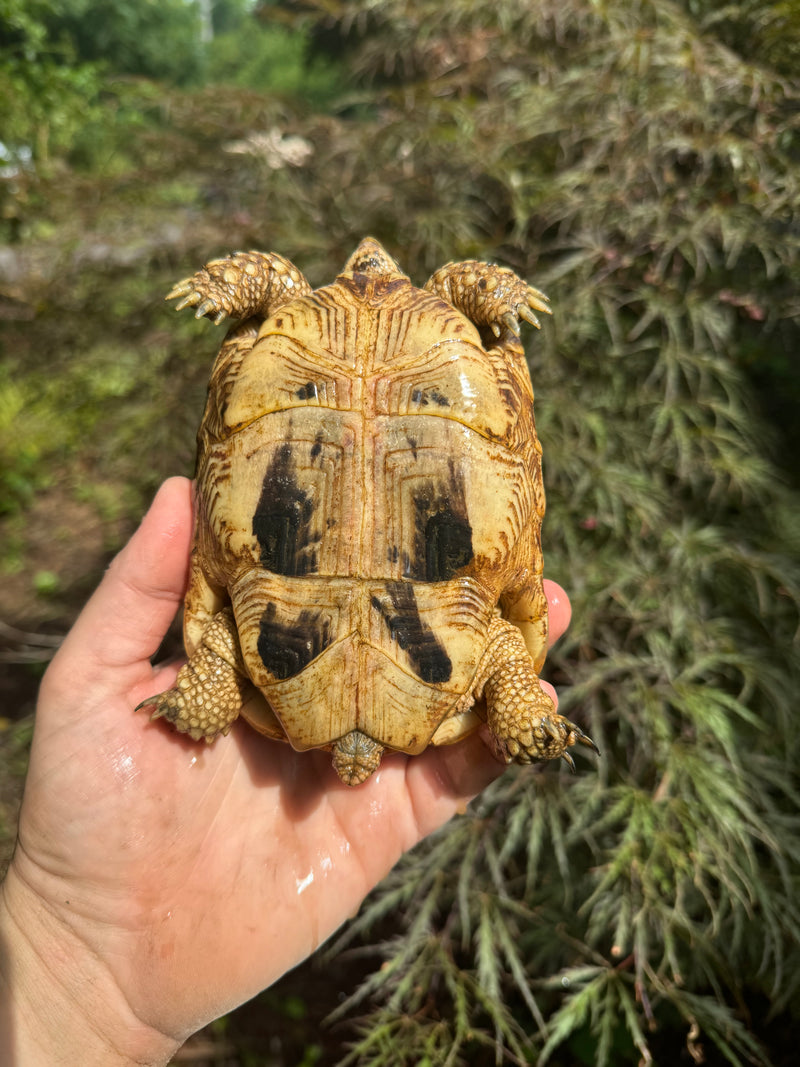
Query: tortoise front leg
(522, 718)
(488, 295)
(211, 686)
(242, 285)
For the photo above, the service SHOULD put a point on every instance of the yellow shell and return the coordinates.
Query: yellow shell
(367, 560)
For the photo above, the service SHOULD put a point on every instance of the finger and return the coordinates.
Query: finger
(409, 797)
(126, 619)
(559, 608)
(442, 780)
(550, 690)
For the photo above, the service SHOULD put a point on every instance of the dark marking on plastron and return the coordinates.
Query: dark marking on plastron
(316, 448)
(423, 397)
(401, 615)
(307, 391)
(442, 531)
(282, 520)
(448, 545)
(286, 648)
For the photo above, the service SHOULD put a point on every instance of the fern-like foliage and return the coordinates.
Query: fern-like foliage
(638, 160)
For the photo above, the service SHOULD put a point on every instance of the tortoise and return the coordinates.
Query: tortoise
(366, 570)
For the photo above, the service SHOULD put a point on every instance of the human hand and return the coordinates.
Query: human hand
(158, 883)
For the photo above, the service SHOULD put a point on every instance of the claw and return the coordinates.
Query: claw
(525, 313)
(539, 300)
(570, 762)
(510, 322)
(187, 301)
(586, 740)
(548, 726)
(207, 305)
(160, 710)
(180, 288)
(495, 329)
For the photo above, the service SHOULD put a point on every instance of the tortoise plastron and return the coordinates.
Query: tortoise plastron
(367, 570)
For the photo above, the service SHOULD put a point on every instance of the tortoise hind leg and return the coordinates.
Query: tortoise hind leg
(211, 686)
(522, 719)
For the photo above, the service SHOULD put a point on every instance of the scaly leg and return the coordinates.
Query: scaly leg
(203, 602)
(521, 717)
(211, 686)
(529, 614)
(242, 285)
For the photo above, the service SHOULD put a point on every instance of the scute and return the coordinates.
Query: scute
(367, 562)
(414, 355)
(401, 653)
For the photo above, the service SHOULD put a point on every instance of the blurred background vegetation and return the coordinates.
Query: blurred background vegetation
(640, 161)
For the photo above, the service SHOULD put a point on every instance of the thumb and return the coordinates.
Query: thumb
(126, 618)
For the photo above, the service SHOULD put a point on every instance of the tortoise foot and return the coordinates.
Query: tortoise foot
(241, 285)
(523, 721)
(184, 715)
(534, 731)
(489, 295)
(210, 688)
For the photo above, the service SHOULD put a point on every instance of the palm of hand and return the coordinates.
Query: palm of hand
(225, 864)
(198, 874)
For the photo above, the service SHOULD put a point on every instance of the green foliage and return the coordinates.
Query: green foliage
(766, 31)
(626, 158)
(23, 441)
(272, 58)
(93, 395)
(229, 15)
(151, 38)
(44, 89)
(74, 80)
